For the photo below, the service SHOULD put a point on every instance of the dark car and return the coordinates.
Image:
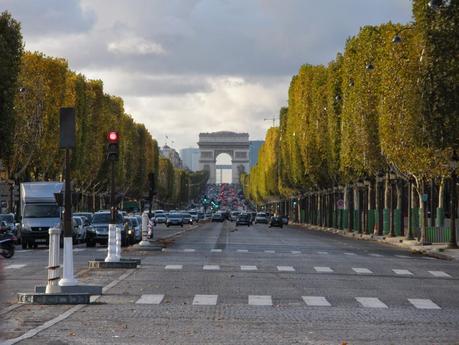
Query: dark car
(174, 219)
(217, 217)
(262, 218)
(276, 222)
(285, 220)
(98, 231)
(244, 219)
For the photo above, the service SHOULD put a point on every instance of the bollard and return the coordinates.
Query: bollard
(145, 220)
(111, 245)
(118, 243)
(68, 278)
(53, 261)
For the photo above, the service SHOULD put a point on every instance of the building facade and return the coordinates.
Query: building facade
(190, 158)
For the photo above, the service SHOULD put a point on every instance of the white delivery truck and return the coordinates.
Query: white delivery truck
(39, 212)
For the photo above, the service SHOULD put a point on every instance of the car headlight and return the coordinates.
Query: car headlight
(130, 232)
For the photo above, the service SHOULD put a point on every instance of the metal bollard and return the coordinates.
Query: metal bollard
(118, 244)
(145, 220)
(53, 261)
(111, 245)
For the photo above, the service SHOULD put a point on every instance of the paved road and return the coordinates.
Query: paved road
(257, 285)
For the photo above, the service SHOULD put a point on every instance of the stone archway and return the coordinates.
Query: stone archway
(234, 144)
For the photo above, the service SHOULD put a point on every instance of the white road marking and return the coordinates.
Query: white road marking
(295, 252)
(102, 249)
(316, 301)
(403, 272)
(270, 251)
(211, 267)
(285, 269)
(322, 253)
(403, 256)
(323, 269)
(150, 299)
(376, 255)
(205, 299)
(370, 302)
(350, 254)
(189, 250)
(421, 303)
(15, 266)
(79, 250)
(361, 270)
(216, 250)
(242, 250)
(249, 268)
(23, 251)
(173, 267)
(260, 300)
(440, 274)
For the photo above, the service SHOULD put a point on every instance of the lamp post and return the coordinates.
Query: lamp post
(453, 164)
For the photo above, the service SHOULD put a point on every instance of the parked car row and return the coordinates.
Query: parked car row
(177, 218)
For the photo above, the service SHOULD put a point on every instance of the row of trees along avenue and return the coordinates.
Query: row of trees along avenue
(372, 138)
(33, 87)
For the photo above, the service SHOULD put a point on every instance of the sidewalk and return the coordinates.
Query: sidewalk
(439, 251)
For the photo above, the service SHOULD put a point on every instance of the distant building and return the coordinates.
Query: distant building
(170, 153)
(254, 147)
(190, 158)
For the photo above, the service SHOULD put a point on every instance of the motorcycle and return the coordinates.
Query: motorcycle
(7, 242)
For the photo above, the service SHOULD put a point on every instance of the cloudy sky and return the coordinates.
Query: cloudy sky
(190, 66)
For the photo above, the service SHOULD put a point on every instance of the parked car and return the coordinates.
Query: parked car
(285, 220)
(217, 217)
(81, 225)
(98, 231)
(159, 218)
(262, 218)
(244, 219)
(187, 218)
(8, 218)
(88, 215)
(174, 219)
(276, 221)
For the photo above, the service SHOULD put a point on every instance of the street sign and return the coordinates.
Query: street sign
(340, 204)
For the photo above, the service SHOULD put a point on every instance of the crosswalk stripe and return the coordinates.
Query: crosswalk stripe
(421, 303)
(270, 251)
(295, 252)
(440, 274)
(189, 250)
(242, 250)
(316, 301)
(402, 272)
(323, 269)
(248, 268)
(216, 250)
(205, 299)
(15, 266)
(173, 267)
(260, 300)
(150, 299)
(285, 269)
(211, 267)
(361, 270)
(371, 302)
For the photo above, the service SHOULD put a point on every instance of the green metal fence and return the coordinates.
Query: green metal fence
(438, 235)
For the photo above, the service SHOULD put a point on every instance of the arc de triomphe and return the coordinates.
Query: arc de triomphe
(234, 144)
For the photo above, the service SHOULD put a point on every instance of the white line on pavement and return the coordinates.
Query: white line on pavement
(211, 267)
(23, 251)
(242, 250)
(403, 256)
(321, 269)
(270, 251)
(440, 274)
(189, 250)
(216, 250)
(15, 266)
(79, 250)
(361, 270)
(295, 252)
(421, 303)
(150, 299)
(173, 267)
(285, 269)
(352, 254)
(248, 268)
(102, 249)
(370, 302)
(316, 301)
(205, 299)
(322, 253)
(376, 255)
(260, 300)
(402, 272)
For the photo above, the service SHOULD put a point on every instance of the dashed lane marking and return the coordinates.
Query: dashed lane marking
(285, 269)
(173, 267)
(102, 249)
(421, 303)
(77, 250)
(322, 253)
(260, 300)
(205, 299)
(321, 269)
(376, 255)
(23, 251)
(316, 301)
(216, 250)
(15, 266)
(403, 256)
(295, 252)
(440, 274)
(361, 270)
(248, 268)
(270, 251)
(189, 250)
(242, 250)
(211, 267)
(350, 254)
(150, 299)
(402, 272)
(370, 302)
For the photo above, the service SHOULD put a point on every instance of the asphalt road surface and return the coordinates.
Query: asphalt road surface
(256, 285)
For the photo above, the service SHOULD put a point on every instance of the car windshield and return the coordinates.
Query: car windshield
(175, 215)
(7, 218)
(41, 211)
(77, 220)
(104, 218)
(261, 215)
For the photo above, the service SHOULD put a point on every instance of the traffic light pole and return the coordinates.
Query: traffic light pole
(114, 234)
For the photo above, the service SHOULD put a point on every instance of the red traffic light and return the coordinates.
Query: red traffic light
(113, 137)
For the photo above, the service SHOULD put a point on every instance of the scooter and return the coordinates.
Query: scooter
(7, 242)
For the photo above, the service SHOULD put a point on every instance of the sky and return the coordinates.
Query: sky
(190, 66)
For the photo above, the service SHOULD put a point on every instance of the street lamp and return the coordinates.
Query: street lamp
(453, 164)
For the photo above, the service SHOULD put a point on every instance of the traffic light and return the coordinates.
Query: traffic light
(113, 150)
